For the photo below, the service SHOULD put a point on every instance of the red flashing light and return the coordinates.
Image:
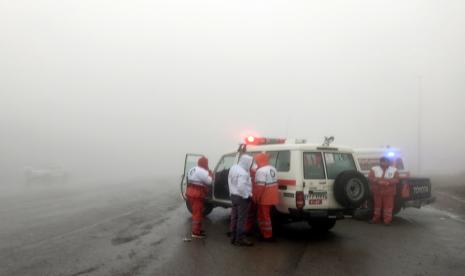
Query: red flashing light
(252, 140)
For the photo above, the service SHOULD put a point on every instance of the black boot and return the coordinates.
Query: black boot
(244, 242)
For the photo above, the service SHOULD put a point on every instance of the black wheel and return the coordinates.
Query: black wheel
(207, 208)
(367, 213)
(351, 189)
(322, 225)
(363, 214)
(277, 218)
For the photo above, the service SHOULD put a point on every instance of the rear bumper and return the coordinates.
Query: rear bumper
(306, 214)
(417, 203)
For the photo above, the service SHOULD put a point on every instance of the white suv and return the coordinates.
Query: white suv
(319, 184)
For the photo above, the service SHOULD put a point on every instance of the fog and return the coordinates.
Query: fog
(123, 89)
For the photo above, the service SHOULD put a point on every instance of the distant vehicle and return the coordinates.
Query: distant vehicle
(48, 175)
(419, 188)
(317, 183)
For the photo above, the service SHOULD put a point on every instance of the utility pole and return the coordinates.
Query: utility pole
(419, 122)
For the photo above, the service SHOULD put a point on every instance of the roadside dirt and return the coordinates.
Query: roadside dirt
(450, 195)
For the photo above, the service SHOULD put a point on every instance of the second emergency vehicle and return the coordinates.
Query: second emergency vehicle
(317, 183)
(412, 191)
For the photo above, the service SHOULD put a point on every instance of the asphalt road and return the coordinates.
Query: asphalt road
(136, 229)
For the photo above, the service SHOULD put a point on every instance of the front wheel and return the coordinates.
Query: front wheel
(367, 213)
(322, 225)
(207, 208)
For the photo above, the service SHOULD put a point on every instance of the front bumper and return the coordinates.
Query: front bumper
(417, 203)
(306, 214)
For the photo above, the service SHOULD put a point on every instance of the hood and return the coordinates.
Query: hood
(203, 162)
(245, 162)
(261, 159)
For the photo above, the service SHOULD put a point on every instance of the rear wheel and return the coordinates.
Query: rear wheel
(351, 189)
(207, 208)
(322, 225)
(277, 218)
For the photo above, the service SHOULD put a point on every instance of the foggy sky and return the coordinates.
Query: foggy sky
(126, 88)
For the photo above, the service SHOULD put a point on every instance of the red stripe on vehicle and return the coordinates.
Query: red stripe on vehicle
(286, 182)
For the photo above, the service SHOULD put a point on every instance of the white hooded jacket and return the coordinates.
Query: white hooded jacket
(239, 180)
(199, 176)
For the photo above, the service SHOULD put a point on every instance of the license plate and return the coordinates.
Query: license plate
(317, 197)
(418, 190)
(315, 201)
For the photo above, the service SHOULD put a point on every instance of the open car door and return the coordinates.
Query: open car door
(189, 162)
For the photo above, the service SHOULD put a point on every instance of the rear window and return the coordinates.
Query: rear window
(337, 163)
(313, 165)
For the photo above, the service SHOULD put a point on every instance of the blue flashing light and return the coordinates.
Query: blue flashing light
(391, 154)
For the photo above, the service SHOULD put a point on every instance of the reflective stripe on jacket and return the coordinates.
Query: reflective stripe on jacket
(198, 179)
(266, 186)
(389, 174)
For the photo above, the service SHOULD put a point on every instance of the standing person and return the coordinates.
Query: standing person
(265, 194)
(252, 213)
(384, 179)
(199, 178)
(240, 189)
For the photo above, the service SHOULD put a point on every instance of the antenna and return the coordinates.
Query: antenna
(328, 141)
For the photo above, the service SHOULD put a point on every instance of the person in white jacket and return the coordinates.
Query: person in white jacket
(240, 189)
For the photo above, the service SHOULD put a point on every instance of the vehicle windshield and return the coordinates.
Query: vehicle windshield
(367, 163)
(337, 163)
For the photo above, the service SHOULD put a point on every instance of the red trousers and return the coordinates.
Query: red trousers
(197, 213)
(264, 220)
(250, 222)
(383, 202)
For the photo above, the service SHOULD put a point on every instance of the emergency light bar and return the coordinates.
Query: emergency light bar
(252, 140)
(391, 154)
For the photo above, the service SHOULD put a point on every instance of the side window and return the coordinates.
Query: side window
(191, 161)
(283, 163)
(281, 160)
(273, 156)
(313, 166)
(221, 189)
(226, 162)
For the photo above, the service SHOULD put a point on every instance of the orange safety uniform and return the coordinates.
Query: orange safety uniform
(383, 187)
(199, 178)
(265, 193)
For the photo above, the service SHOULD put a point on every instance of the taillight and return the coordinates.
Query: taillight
(299, 199)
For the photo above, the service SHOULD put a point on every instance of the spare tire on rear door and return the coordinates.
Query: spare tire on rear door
(351, 189)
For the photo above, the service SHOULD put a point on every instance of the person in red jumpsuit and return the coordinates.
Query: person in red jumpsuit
(383, 179)
(199, 179)
(265, 194)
